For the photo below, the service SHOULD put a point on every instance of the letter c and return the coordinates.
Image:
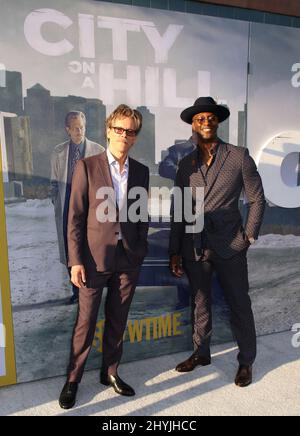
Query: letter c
(191, 427)
(32, 31)
(183, 427)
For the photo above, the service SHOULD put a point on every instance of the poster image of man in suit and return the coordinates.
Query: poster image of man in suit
(63, 161)
(223, 171)
(167, 169)
(105, 252)
(168, 166)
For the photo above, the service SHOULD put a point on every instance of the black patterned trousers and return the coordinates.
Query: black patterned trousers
(233, 277)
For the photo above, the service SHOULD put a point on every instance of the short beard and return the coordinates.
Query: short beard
(207, 141)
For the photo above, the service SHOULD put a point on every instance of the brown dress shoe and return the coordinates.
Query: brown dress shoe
(244, 376)
(191, 363)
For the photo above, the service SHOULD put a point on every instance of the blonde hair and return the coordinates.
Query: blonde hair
(124, 111)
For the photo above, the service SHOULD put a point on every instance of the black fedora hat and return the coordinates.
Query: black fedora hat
(205, 104)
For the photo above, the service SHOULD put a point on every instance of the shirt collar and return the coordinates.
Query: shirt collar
(112, 160)
(214, 151)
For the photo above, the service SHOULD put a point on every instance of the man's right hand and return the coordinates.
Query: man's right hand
(78, 277)
(176, 266)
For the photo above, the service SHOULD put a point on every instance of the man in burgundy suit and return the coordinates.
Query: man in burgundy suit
(105, 251)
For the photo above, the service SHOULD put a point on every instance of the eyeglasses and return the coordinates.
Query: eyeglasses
(202, 119)
(120, 131)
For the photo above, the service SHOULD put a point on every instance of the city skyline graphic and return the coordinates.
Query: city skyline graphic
(44, 115)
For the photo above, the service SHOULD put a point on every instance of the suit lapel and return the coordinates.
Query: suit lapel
(130, 181)
(196, 176)
(222, 155)
(63, 160)
(63, 168)
(104, 168)
(88, 148)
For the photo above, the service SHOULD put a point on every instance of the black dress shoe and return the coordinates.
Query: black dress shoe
(118, 384)
(68, 395)
(244, 376)
(191, 363)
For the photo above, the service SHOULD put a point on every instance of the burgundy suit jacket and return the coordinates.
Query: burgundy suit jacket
(93, 243)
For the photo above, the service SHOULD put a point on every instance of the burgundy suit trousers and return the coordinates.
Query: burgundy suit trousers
(121, 284)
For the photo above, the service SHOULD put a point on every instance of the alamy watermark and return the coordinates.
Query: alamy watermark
(2, 336)
(296, 336)
(187, 206)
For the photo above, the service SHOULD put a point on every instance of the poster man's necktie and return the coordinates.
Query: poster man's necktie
(75, 158)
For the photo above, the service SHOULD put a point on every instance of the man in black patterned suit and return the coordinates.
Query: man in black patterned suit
(224, 171)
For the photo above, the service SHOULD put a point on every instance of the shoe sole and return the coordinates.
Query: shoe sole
(67, 407)
(190, 370)
(105, 383)
(243, 385)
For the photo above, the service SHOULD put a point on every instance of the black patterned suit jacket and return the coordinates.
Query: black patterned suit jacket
(233, 171)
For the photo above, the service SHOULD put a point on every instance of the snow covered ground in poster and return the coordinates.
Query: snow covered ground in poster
(40, 292)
